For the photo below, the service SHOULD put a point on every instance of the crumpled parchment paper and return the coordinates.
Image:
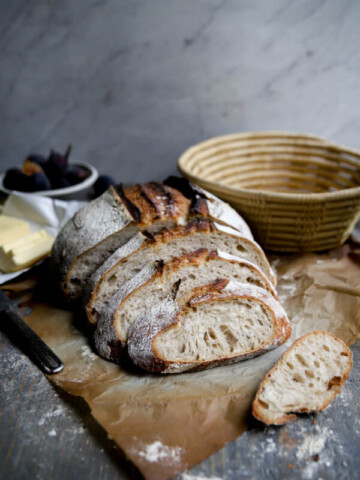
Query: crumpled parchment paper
(166, 424)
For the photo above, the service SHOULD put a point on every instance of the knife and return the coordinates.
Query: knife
(30, 342)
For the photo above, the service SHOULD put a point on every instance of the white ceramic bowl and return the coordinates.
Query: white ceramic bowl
(75, 192)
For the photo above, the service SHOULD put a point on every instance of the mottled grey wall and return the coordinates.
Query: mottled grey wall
(132, 83)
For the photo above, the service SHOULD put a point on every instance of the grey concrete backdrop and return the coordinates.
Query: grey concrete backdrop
(133, 83)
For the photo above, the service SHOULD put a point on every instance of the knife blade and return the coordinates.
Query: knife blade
(31, 343)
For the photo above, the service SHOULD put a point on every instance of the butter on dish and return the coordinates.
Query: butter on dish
(21, 249)
(12, 228)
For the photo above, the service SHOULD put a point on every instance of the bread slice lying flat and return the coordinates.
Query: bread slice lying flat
(153, 283)
(306, 378)
(212, 325)
(128, 260)
(108, 222)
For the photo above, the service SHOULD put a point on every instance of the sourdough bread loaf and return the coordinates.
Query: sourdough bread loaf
(307, 378)
(142, 249)
(216, 324)
(122, 253)
(108, 222)
(152, 284)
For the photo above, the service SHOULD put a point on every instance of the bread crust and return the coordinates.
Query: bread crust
(139, 206)
(79, 233)
(204, 203)
(126, 211)
(153, 201)
(110, 213)
(260, 413)
(165, 236)
(106, 334)
(139, 240)
(107, 341)
(167, 315)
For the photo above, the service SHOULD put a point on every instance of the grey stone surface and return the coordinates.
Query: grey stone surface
(133, 83)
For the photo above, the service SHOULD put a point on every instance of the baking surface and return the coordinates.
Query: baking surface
(165, 425)
(163, 76)
(46, 433)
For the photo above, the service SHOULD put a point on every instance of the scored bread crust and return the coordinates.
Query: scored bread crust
(167, 315)
(116, 210)
(263, 414)
(109, 221)
(108, 340)
(205, 204)
(143, 244)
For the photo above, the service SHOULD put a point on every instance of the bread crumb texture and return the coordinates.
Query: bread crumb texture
(306, 378)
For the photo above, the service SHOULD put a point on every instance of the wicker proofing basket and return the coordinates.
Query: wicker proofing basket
(298, 192)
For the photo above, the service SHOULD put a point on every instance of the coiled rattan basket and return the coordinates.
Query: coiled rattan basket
(298, 192)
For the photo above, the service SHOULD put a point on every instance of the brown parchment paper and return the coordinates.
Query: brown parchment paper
(166, 424)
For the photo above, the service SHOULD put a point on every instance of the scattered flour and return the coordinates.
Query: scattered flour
(59, 411)
(313, 444)
(310, 472)
(187, 476)
(52, 433)
(157, 451)
(270, 446)
(11, 362)
(86, 352)
(76, 430)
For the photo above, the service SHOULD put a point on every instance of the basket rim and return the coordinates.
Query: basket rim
(345, 193)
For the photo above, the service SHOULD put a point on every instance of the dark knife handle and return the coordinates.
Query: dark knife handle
(37, 350)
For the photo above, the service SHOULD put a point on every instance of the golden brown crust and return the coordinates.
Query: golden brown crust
(287, 417)
(196, 225)
(203, 293)
(124, 198)
(198, 199)
(165, 235)
(153, 201)
(196, 257)
(106, 223)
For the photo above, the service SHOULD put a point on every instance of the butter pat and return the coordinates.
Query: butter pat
(12, 228)
(23, 252)
(20, 245)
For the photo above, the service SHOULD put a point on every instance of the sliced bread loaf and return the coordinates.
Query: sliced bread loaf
(108, 222)
(307, 378)
(152, 284)
(128, 260)
(212, 325)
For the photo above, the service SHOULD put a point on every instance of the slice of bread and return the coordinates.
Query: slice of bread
(216, 324)
(128, 260)
(108, 222)
(152, 285)
(307, 378)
